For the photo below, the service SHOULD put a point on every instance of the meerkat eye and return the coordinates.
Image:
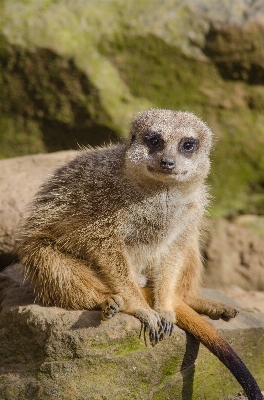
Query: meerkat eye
(154, 141)
(188, 146)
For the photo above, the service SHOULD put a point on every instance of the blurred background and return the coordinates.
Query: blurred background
(73, 73)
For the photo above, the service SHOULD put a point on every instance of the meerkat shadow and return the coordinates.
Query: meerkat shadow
(88, 319)
(188, 366)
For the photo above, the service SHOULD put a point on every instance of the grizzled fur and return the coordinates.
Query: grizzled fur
(122, 217)
(118, 229)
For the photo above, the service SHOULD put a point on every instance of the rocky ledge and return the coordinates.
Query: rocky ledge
(48, 352)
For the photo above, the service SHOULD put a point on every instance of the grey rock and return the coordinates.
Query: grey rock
(48, 352)
(20, 179)
(235, 256)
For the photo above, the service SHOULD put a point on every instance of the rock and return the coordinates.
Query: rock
(74, 73)
(239, 396)
(248, 299)
(234, 256)
(237, 51)
(19, 181)
(48, 352)
(254, 222)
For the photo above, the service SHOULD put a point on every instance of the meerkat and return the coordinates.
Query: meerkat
(118, 229)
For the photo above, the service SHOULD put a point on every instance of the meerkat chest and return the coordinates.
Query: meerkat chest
(151, 230)
(156, 220)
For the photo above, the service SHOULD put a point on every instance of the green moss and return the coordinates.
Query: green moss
(48, 104)
(172, 391)
(154, 70)
(71, 31)
(237, 176)
(159, 72)
(252, 222)
(20, 136)
(128, 346)
(122, 348)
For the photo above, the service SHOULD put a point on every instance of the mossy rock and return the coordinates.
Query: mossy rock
(48, 352)
(160, 72)
(73, 74)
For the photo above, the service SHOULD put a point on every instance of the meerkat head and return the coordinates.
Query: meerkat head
(168, 146)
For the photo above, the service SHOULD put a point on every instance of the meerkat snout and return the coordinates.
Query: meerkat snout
(167, 164)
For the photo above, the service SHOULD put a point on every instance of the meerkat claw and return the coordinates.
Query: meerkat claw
(153, 334)
(152, 323)
(153, 337)
(168, 328)
(171, 329)
(168, 320)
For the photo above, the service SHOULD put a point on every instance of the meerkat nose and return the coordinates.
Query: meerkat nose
(167, 163)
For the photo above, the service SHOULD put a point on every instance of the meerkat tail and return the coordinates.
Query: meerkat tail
(193, 323)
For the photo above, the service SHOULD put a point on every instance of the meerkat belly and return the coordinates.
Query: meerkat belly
(145, 261)
(147, 240)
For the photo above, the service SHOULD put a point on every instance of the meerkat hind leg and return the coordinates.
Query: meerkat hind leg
(60, 279)
(189, 285)
(213, 309)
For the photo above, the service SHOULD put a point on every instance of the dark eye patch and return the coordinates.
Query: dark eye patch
(154, 141)
(133, 138)
(188, 145)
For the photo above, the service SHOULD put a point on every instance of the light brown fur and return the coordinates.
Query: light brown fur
(126, 216)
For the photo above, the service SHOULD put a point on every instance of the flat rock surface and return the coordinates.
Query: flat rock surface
(251, 299)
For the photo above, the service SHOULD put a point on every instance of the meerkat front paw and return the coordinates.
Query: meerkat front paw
(168, 319)
(111, 306)
(151, 322)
